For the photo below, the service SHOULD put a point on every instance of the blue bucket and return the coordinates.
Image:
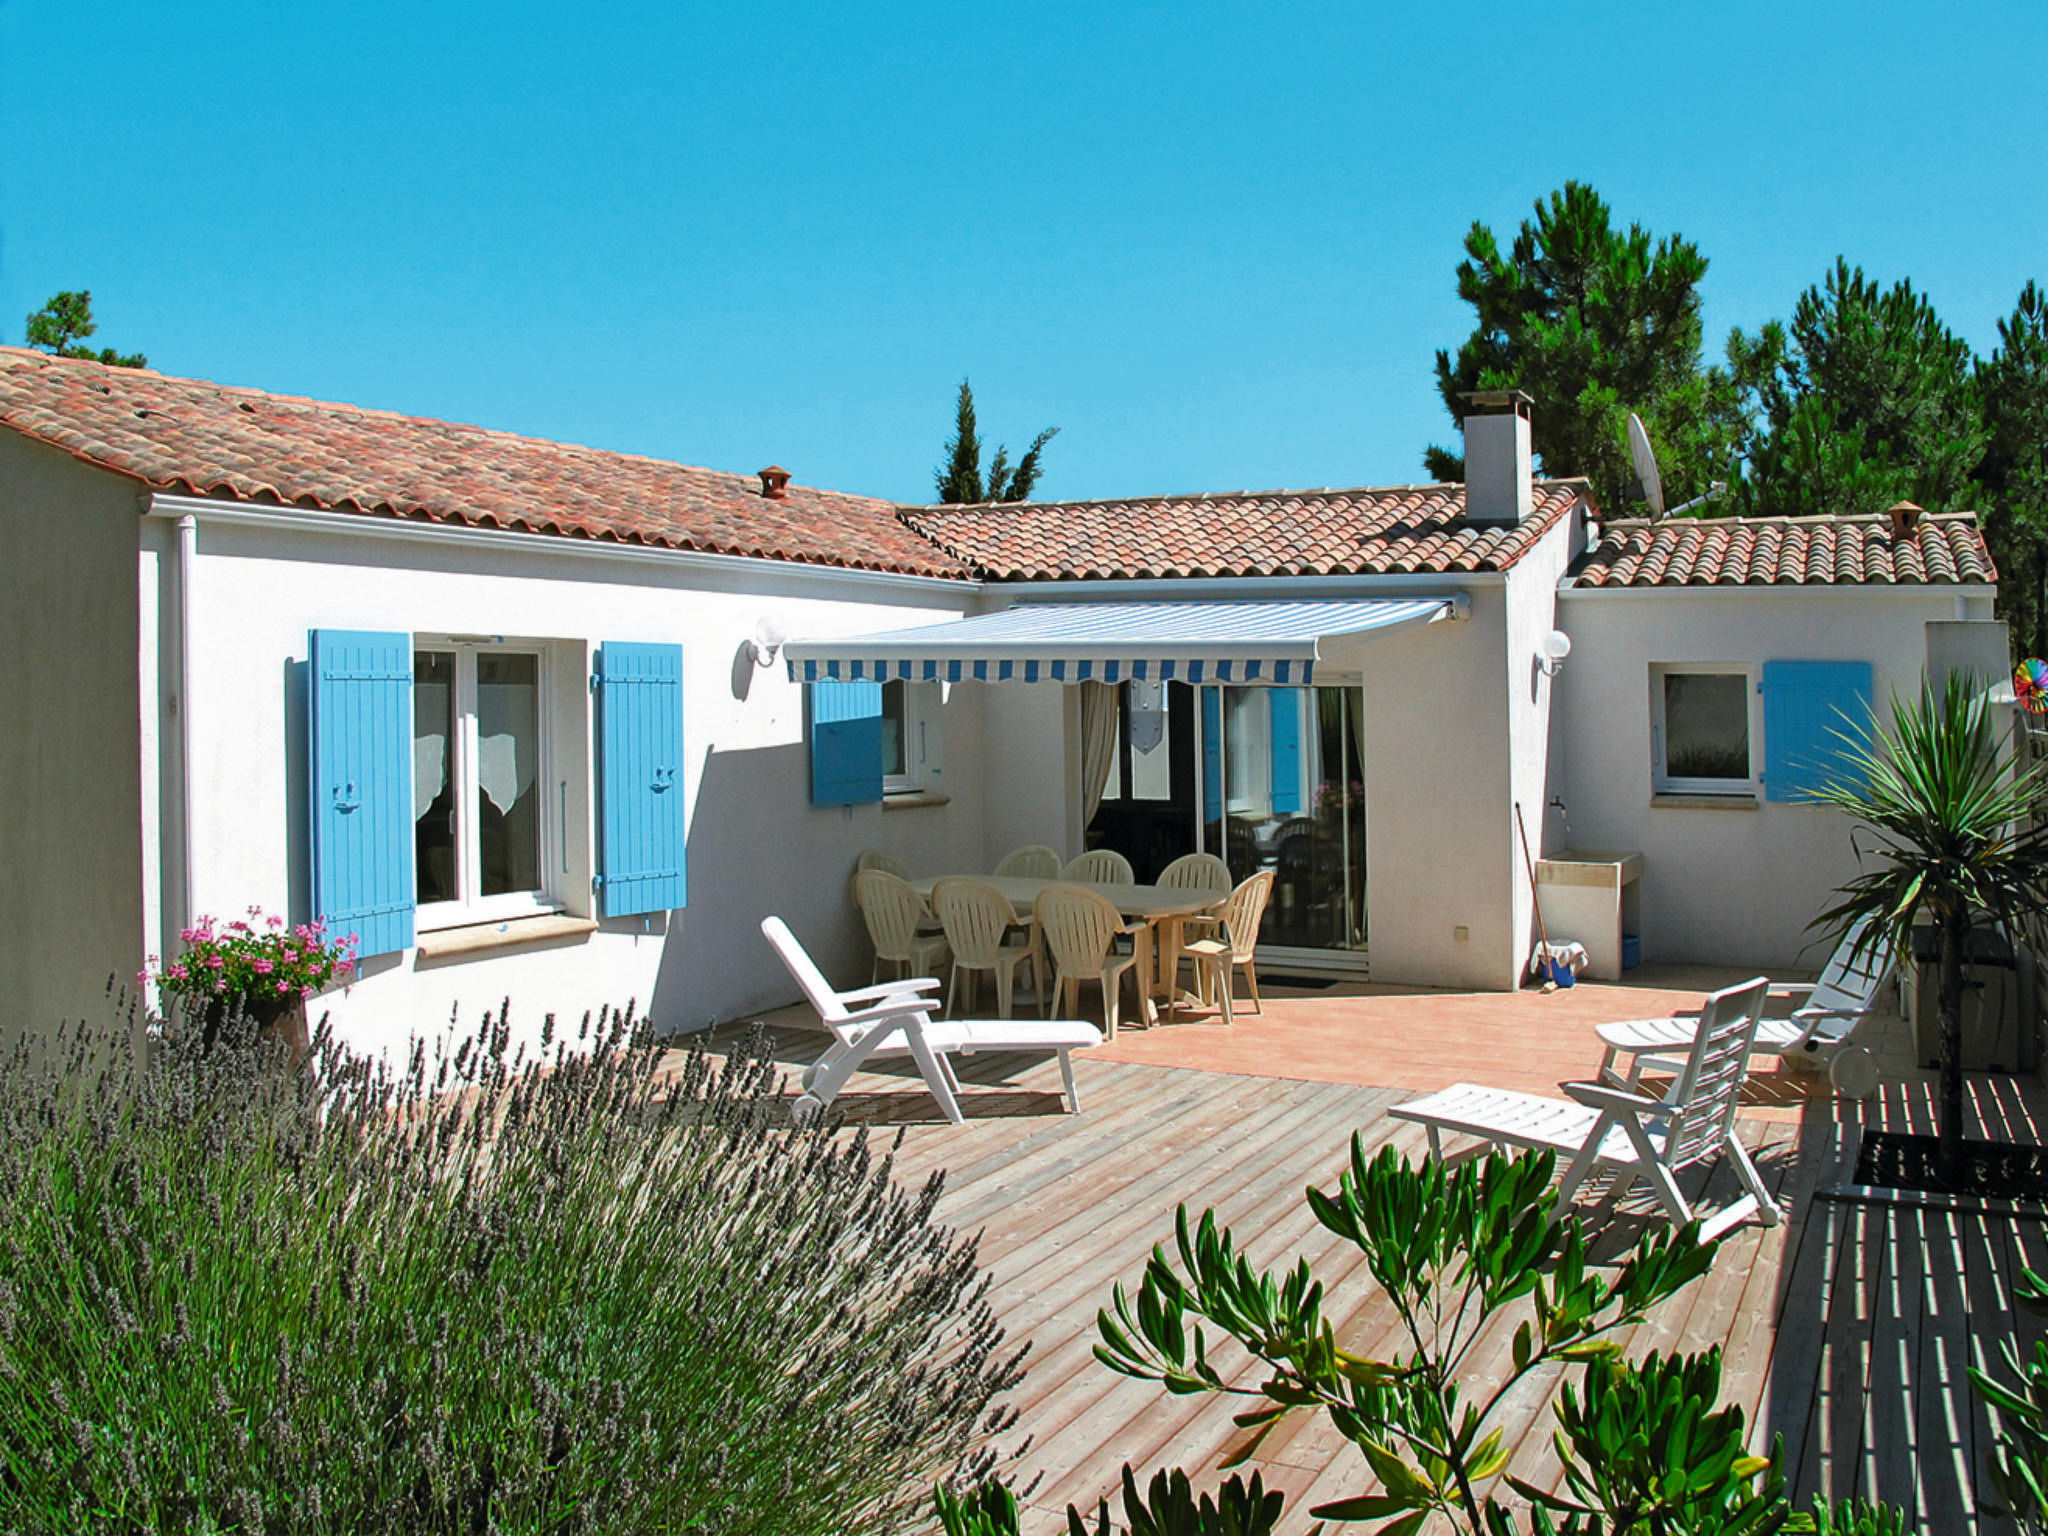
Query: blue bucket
(1631, 951)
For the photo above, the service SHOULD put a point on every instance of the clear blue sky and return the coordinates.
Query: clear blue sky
(1213, 243)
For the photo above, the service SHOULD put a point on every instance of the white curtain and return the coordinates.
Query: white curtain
(1098, 744)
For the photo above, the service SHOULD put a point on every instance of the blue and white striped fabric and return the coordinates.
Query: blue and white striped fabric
(1250, 669)
(1271, 643)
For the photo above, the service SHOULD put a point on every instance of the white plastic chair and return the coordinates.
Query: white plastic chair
(1081, 928)
(895, 1019)
(1630, 1132)
(1100, 866)
(1845, 995)
(1234, 947)
(976, 917)
(1196, 872)
(892, 912)
(887, 863)
(1034, 861)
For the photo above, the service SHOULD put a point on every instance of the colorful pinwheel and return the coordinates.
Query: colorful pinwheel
(2030, 685)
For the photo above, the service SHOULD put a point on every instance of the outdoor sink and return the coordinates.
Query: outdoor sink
(1589, 866)
(1588, 896)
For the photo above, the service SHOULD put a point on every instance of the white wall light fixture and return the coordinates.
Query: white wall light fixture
(1555, 647)
(767, 642)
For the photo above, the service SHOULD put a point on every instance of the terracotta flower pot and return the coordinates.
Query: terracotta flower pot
(275, 1018)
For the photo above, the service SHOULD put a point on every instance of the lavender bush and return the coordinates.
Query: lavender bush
(488, 1294)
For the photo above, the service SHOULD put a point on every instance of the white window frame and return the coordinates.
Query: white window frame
(920, 737)
(469, 908)
(1664, 783)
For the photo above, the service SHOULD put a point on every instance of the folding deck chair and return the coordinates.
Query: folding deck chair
(1831, 1010)
(897, 1019)
(1626, 1130)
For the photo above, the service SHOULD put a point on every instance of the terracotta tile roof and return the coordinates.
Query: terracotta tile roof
(1371, 531)
(187, 435)
(1805, 551)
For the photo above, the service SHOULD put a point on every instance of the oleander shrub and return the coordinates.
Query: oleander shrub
(484, 1294)
(1645, 1447)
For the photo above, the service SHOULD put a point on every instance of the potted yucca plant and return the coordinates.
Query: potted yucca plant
(1951, 811)
(255, 967)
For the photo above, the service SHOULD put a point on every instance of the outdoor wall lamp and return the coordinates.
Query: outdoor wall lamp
(767, 642)
(1555, 647)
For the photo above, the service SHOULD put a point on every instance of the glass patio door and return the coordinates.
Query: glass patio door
(1283, 788)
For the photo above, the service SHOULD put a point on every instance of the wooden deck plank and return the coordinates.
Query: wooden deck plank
(1096, 1254)
(1943, 1430)
(1987, 1270)
(1798, 1323)
(1892, 1463)
(1835, 1434)
(1271, 1222)
(1846, 1329)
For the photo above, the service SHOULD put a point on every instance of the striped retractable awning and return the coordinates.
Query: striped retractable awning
(1275, 643)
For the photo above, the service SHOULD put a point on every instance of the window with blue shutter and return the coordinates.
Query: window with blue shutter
(359, 708)
(641, 836)
(1286, 748)
(1807, 705)
(846, 743)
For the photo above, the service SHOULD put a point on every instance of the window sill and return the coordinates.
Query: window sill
(914, 799)
(483, 938)
(1669, 802)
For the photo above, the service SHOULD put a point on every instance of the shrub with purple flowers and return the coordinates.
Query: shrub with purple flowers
(601, 1288)
(256, 957)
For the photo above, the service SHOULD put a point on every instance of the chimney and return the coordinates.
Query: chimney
(774, 482)
(1905, 517)
(1498, 492)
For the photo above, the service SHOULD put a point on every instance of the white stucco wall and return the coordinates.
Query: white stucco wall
(1732, 887)
(71, 879)
(756, 844)
(1031, 766)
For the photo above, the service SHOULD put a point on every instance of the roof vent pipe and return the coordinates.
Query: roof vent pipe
(774, 482)
(1905, 518)
(1498, 490)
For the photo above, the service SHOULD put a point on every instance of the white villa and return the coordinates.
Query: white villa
(558, 725)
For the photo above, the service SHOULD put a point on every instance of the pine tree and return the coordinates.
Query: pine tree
(959, 480)
(1864, 400)
(65, 321)
(1594, 322)
(2014, 473)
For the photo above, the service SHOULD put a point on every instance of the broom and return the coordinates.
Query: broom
(1554, 973)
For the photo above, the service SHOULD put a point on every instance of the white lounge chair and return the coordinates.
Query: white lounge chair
(896, 1019)
(1630, 1132)
(1832, 1008)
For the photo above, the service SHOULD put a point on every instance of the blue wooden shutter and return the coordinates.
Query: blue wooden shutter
(1805, 704)
(359, 707)
(1286, 750)
(641, 838)
(846, 743)
(1212, 755)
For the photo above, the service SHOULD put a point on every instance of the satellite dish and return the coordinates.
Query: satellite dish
(1645, 460)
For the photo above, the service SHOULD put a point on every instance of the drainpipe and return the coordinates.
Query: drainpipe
(188, 555)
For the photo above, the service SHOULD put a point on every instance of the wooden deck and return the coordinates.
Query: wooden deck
(1846, 1329)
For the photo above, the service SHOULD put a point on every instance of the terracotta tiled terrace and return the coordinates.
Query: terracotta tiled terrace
(1846, 1329)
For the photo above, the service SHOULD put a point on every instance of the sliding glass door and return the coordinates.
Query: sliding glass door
(1283, 788)
(1268, 778)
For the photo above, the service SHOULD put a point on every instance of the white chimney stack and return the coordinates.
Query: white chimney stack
(1498, 490)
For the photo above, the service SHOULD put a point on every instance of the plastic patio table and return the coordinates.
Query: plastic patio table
(1162, 907)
